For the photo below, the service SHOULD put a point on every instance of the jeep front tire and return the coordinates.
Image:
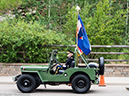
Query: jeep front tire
(26, 83)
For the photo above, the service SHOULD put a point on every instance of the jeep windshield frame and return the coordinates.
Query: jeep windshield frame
(53, 59)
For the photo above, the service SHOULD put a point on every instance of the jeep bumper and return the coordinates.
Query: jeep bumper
(16, 77)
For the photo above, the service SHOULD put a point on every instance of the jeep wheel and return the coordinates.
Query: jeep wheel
(101, 66)
(81, 84)
(26, 83)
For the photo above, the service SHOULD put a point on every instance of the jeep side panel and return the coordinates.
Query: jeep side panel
(46, 76)
(65, 77)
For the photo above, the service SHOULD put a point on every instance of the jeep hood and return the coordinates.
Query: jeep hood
(34, 68)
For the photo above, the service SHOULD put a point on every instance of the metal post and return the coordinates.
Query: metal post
(83, 58)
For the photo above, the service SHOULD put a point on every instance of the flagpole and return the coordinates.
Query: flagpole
(77, 8)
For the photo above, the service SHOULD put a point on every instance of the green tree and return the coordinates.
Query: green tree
(104, 27)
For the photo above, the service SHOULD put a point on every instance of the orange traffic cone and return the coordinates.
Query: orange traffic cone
(102, 82)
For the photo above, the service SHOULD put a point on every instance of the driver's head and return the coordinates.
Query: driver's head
(70, 53)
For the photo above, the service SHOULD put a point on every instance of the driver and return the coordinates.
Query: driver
(68, 63)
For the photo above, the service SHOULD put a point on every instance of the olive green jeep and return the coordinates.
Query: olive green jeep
(79, 77)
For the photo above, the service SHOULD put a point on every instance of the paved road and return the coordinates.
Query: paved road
(63, 90)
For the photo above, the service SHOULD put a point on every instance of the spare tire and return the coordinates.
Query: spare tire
(101, 66)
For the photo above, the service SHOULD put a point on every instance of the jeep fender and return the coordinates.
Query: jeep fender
(34, 72)
(15, 78)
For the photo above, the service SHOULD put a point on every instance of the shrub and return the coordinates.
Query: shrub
(20, 36)
(9, 4)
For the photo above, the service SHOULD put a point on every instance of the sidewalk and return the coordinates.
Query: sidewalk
(117, 80)
(108, 80)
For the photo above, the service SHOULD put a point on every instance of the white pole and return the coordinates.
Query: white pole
(77, 8)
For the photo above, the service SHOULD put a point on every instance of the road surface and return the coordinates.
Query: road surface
(63, 90)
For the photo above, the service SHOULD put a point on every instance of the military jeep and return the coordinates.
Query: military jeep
(77, 76)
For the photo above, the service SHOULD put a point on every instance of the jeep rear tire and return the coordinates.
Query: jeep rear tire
(81, 84)
(26, 83)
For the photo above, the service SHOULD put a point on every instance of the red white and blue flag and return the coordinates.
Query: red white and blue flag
(83, 42)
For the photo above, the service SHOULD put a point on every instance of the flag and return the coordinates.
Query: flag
(81, 36)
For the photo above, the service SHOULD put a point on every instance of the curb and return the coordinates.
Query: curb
(7, 82)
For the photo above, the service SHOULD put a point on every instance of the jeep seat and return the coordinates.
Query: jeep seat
(71, 66)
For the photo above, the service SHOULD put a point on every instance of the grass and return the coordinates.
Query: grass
(8, 5)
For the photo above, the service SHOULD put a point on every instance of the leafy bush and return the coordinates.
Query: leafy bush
(9, 4)
(20, 36)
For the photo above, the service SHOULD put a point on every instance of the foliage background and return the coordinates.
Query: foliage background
(49, 22)
(6, 5)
